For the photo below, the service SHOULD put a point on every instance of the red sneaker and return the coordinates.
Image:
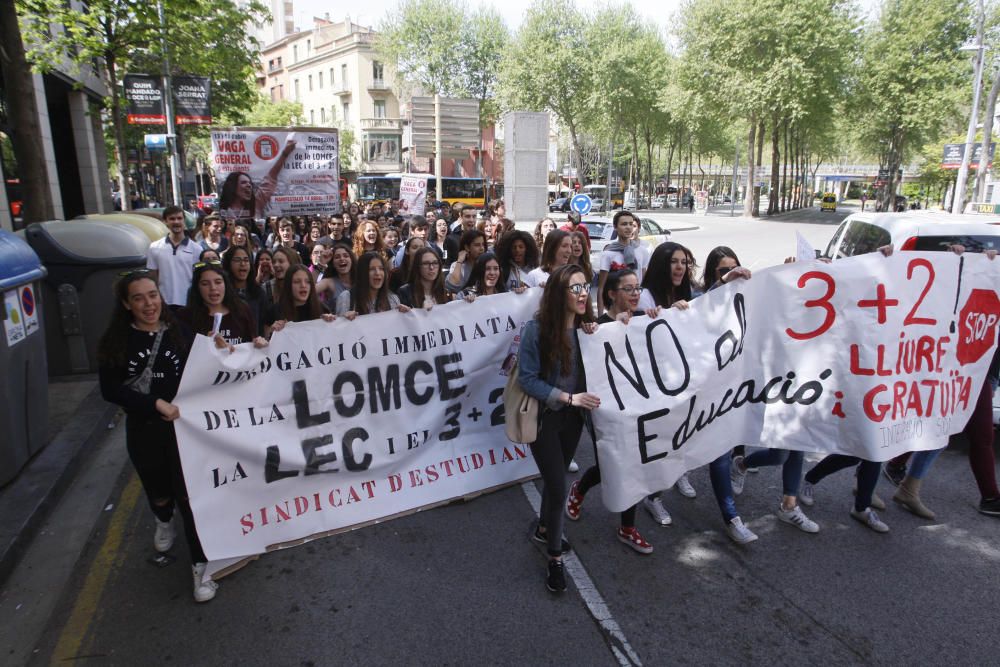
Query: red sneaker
(574, 501)
(631, 537)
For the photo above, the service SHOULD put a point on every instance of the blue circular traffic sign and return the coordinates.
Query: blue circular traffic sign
(581, 204)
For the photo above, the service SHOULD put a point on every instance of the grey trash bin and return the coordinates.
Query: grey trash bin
(23, 375)
(83, 260)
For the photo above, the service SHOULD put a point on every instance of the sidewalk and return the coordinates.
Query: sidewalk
(78, 417)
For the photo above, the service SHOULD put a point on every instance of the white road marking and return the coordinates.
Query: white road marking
(620, 647)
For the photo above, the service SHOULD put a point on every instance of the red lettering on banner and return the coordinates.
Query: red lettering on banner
(823, 303)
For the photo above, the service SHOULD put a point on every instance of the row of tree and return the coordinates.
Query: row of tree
(793, 82)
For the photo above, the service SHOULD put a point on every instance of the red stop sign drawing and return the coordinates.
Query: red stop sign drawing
(977, 325)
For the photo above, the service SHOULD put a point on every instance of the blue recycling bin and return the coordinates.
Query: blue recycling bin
(23, 364)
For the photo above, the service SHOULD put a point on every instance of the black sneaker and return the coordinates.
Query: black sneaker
(540, 537)
(990, 506)
(894, 473)
(556, 581)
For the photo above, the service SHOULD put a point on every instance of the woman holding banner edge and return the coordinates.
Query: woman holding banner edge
(551, 371)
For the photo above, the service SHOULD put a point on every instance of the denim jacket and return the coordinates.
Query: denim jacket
(530, 375)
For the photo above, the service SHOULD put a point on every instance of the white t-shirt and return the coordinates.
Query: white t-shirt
(646, 300)
(536, 277)
(612, 257)
(174, 267)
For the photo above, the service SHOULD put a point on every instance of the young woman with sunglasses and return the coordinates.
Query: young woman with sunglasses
(138, 320)
(551, 370)
(621, 299)
(426, 286)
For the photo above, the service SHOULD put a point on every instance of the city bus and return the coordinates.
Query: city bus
(383, 188)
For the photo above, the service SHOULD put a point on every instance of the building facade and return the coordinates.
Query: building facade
(73, 143)
(334, 72)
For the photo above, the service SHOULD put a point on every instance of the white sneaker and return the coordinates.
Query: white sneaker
(654, 505)
(737, 475)
(573, 467)
(870, 519)
(684, 487)
(796, 517)
(739, 533)
(164, 536)
(806, 494)
(204, 589)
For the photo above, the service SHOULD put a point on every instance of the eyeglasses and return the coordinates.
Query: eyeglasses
(211, 262)
(630, 290)
(579, 289)
(240, 260)
(134, 272)
(430, 265)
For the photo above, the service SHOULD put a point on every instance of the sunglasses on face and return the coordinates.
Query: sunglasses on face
(134, 272)
(211, 262)
(579, 289)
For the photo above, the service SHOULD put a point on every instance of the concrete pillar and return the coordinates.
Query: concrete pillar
(95, 188)
(50, 157)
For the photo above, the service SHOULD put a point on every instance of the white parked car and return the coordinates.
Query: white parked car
(659, 201)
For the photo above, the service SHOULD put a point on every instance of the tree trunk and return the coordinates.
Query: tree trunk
(991, 105)
(119, 130)
(23, 111)
(748, 194)
(784, 160)
(772, 200)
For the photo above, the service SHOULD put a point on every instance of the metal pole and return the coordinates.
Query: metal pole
(611, 158)
(963, 172)
(168, 107)
(437, 146)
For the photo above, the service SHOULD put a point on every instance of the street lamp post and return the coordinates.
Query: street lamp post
(958, 200)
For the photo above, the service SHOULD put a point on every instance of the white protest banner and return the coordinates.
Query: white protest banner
(338, 424)
(868, 356)
(261, 172)
(412, 194)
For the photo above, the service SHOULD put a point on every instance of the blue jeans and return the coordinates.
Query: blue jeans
(921, 462)
(722, 486)
(791, 467)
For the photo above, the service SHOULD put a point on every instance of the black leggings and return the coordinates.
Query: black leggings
(558, 436)
(867, 475)
(592, 478)
(152, 447)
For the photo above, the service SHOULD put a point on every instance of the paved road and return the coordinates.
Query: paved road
(462, 584)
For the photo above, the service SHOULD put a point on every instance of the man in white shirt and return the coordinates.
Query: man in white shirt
(172, 259)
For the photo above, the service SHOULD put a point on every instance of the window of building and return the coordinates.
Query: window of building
(343, 77)
(377, 70)
(347, 112)
(308, 47)
(274, 94)
(281, 91)
(295, 53)
(382, 148)
(332, 84)
(322, 115)
(320, 75)
(380, 108)
(296, 90)
(310, 82)
(312, 116)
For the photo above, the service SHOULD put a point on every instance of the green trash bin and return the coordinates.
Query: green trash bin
(23, 368)
(83, 260)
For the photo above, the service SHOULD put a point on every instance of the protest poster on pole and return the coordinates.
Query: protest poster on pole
(262, 172)
(144, 97)
(192, 100)
(340, 424)
(868, 356)
(412, 194)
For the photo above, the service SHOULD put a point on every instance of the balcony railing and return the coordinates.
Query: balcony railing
(342, 88)
(393, 124)
(378, 84)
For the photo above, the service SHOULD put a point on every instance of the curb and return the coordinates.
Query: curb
(27, 501)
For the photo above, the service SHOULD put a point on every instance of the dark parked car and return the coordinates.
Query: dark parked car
(561, 204)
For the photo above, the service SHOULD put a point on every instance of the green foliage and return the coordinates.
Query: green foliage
(420, 38)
